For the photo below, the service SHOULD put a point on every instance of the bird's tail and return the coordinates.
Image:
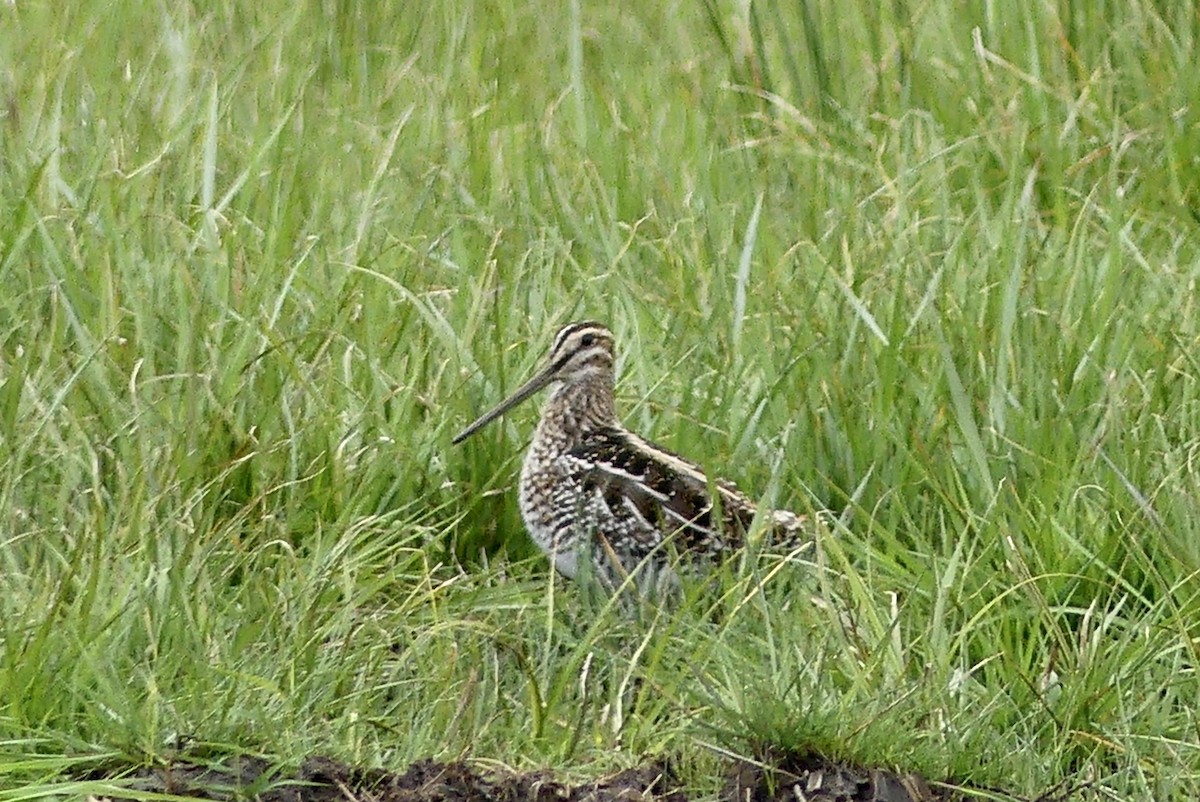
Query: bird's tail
(792, 532)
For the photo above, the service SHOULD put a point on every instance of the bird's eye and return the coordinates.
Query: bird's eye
(587, 339)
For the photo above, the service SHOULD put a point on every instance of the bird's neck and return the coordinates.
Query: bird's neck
(582, 406)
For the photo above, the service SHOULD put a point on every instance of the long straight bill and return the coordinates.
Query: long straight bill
(524, 391)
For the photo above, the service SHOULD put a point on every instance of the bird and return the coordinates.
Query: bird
(595, 496)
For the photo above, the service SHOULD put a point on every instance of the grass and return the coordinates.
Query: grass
(930, 264)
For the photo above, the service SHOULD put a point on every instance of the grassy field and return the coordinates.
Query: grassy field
(932, 265)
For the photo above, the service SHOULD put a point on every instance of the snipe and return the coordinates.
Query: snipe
(592, 489)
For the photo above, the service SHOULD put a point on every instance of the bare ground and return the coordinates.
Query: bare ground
(794, 778)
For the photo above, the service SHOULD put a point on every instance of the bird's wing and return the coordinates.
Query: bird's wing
(668, 493)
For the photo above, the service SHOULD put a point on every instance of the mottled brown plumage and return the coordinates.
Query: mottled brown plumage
(592, 490)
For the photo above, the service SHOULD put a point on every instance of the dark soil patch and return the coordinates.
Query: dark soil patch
(814, 779)
(795, 778)
(323, 780)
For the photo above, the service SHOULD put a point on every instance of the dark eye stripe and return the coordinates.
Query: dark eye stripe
(562, 360)
(587, 340)
(566, 331)
(574, 352)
